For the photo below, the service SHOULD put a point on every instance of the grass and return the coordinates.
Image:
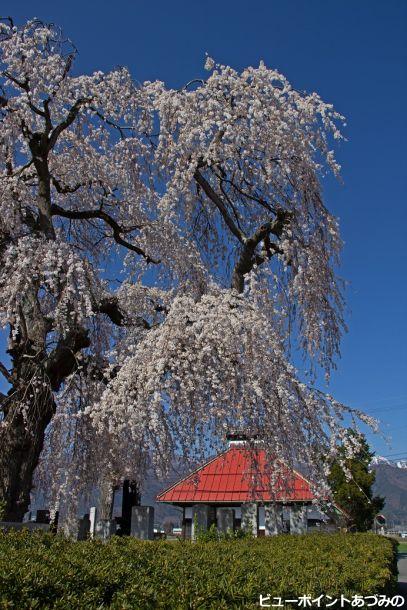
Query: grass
(402, 547)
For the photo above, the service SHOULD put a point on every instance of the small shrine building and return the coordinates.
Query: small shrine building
(232, 492)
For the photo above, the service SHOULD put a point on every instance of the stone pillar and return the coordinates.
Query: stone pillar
(142, 522)
(104, 529)
(130, 497)
(273, 519)
(92, 520)
(298, 519)
(226, 520)
(249, 517)
(201, 519)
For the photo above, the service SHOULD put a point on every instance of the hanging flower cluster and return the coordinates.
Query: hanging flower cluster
(216, 365)
(65, 281)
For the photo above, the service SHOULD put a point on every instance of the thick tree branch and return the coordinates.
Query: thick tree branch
(56, 210)
(214, 197)
(63, 190)
(6, 373)
(63, 360)
(259, 200)
(110, 307)
(248, 257)
(25, 85)
(47, 116)
(72, 114)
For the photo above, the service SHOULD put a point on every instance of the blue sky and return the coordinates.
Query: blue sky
(354, 53)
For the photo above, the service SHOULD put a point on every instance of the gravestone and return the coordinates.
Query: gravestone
(142, 522)
(42, 516)
(203, 516)
(225, 519)
(125, 497)
(92, 520)
(104, 529)
(249, 517)
(83, 528)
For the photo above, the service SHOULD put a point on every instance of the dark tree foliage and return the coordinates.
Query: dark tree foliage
(354, 493)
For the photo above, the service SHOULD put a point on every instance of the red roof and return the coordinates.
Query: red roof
(238, 475)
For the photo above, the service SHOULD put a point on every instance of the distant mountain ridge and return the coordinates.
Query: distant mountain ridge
(378, 459)
(391, 483)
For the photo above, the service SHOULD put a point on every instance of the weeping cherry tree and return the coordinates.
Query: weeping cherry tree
(163, 254)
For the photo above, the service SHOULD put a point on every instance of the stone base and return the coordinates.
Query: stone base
(31, 526)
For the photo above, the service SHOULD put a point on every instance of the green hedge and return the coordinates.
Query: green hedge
(45, 571)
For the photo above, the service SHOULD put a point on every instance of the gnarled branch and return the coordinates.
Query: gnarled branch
(56, 210)
(4, 371)
(72, 114)
(63, 360)
(248, 257)
(110, 307)
(217, 200)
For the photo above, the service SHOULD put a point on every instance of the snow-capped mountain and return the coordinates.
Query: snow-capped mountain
(378, 459)
(391, 483)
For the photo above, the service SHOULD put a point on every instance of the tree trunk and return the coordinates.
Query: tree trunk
(27, 410)
(22, 440)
